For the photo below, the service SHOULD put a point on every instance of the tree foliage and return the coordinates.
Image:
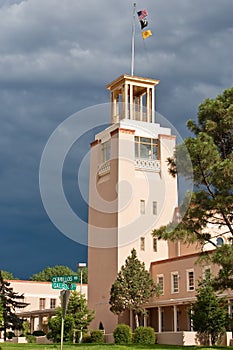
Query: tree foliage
(7, 275)
(49, 272)
(77, 318)
(209, 312)
(133, 287)
(207, 159)
(10, 300)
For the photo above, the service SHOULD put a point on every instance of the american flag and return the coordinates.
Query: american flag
(142, 14)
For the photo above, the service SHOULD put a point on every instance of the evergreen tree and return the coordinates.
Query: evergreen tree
(211, 169)
(77, 318)
(10, 301)
(209, 313)
(133, 288)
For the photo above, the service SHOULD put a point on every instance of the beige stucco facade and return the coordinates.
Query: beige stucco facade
(42, 301)
(129, 193)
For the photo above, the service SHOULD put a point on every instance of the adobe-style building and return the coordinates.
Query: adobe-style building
(42, 302)
(130, 191)
(130, 194)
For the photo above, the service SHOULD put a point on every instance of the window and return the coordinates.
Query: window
(220, 241)
(106, 151)
(155, 243)
(190, 280)
(52, 303)
(42, 303)
(142, 243)
(175, 282)
(146, 148)
(142, 207)
(160, 282)
(154, 208)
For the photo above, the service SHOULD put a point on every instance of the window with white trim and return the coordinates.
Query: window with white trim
(190, 280)
(52, 303)
(154, 208)
(160, 282)
(146, 148)
(142, 243)
(106, 151)
(42, 304)
(175, 282)
(142, 207)
(155, 244)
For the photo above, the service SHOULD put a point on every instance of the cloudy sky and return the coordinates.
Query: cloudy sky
(56, 56)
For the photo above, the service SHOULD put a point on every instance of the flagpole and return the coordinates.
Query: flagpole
(133, 39)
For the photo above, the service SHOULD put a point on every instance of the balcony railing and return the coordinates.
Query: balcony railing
(147, 164)
(104, 168)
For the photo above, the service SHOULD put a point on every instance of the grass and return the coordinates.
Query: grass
(11, 346)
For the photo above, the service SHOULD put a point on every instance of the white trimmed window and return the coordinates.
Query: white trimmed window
(42, 303)
(175, 282)
(146, 148)
(155, 245)
(142, 243)
(160, 282)
(190, 280)
(154, 208)
(142, 207)
(52, 303)
(106, 151)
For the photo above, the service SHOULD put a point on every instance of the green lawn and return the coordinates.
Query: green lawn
(10, 346)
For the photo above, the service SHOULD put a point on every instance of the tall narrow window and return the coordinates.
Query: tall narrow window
(160, 282)
(142, 243)
(52, 303)
(142, 207)
(154, 208)
(175, 282)
(155, 244)
(190, 280)
(106, 151)
(42, 303)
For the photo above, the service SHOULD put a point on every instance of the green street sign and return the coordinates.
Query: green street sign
(62, 285)
(69, 279)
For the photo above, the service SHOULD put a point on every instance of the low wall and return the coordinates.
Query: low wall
(186, 338)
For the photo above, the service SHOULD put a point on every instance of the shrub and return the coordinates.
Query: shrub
(38, 333)
(30, 338)
(10, 335)
(144, 335)
(122, 334)
(97, 336)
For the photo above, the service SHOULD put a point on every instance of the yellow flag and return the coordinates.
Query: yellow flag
(146, 34)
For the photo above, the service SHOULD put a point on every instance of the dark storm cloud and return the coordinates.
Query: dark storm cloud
(56, 56)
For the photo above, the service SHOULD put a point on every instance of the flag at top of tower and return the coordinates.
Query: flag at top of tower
(142, 14)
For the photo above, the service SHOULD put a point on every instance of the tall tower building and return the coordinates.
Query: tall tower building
(130, 191)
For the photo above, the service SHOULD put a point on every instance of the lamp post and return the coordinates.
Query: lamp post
(81, 266)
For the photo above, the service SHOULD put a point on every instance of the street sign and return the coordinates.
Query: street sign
(70, 278)
(62, 285)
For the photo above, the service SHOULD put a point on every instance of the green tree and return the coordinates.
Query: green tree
(209, 312)
(132, 288)
(84, 274)
(7, 275)
(49, 272)
(9, 302)
(77, 318)
(211, 169)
